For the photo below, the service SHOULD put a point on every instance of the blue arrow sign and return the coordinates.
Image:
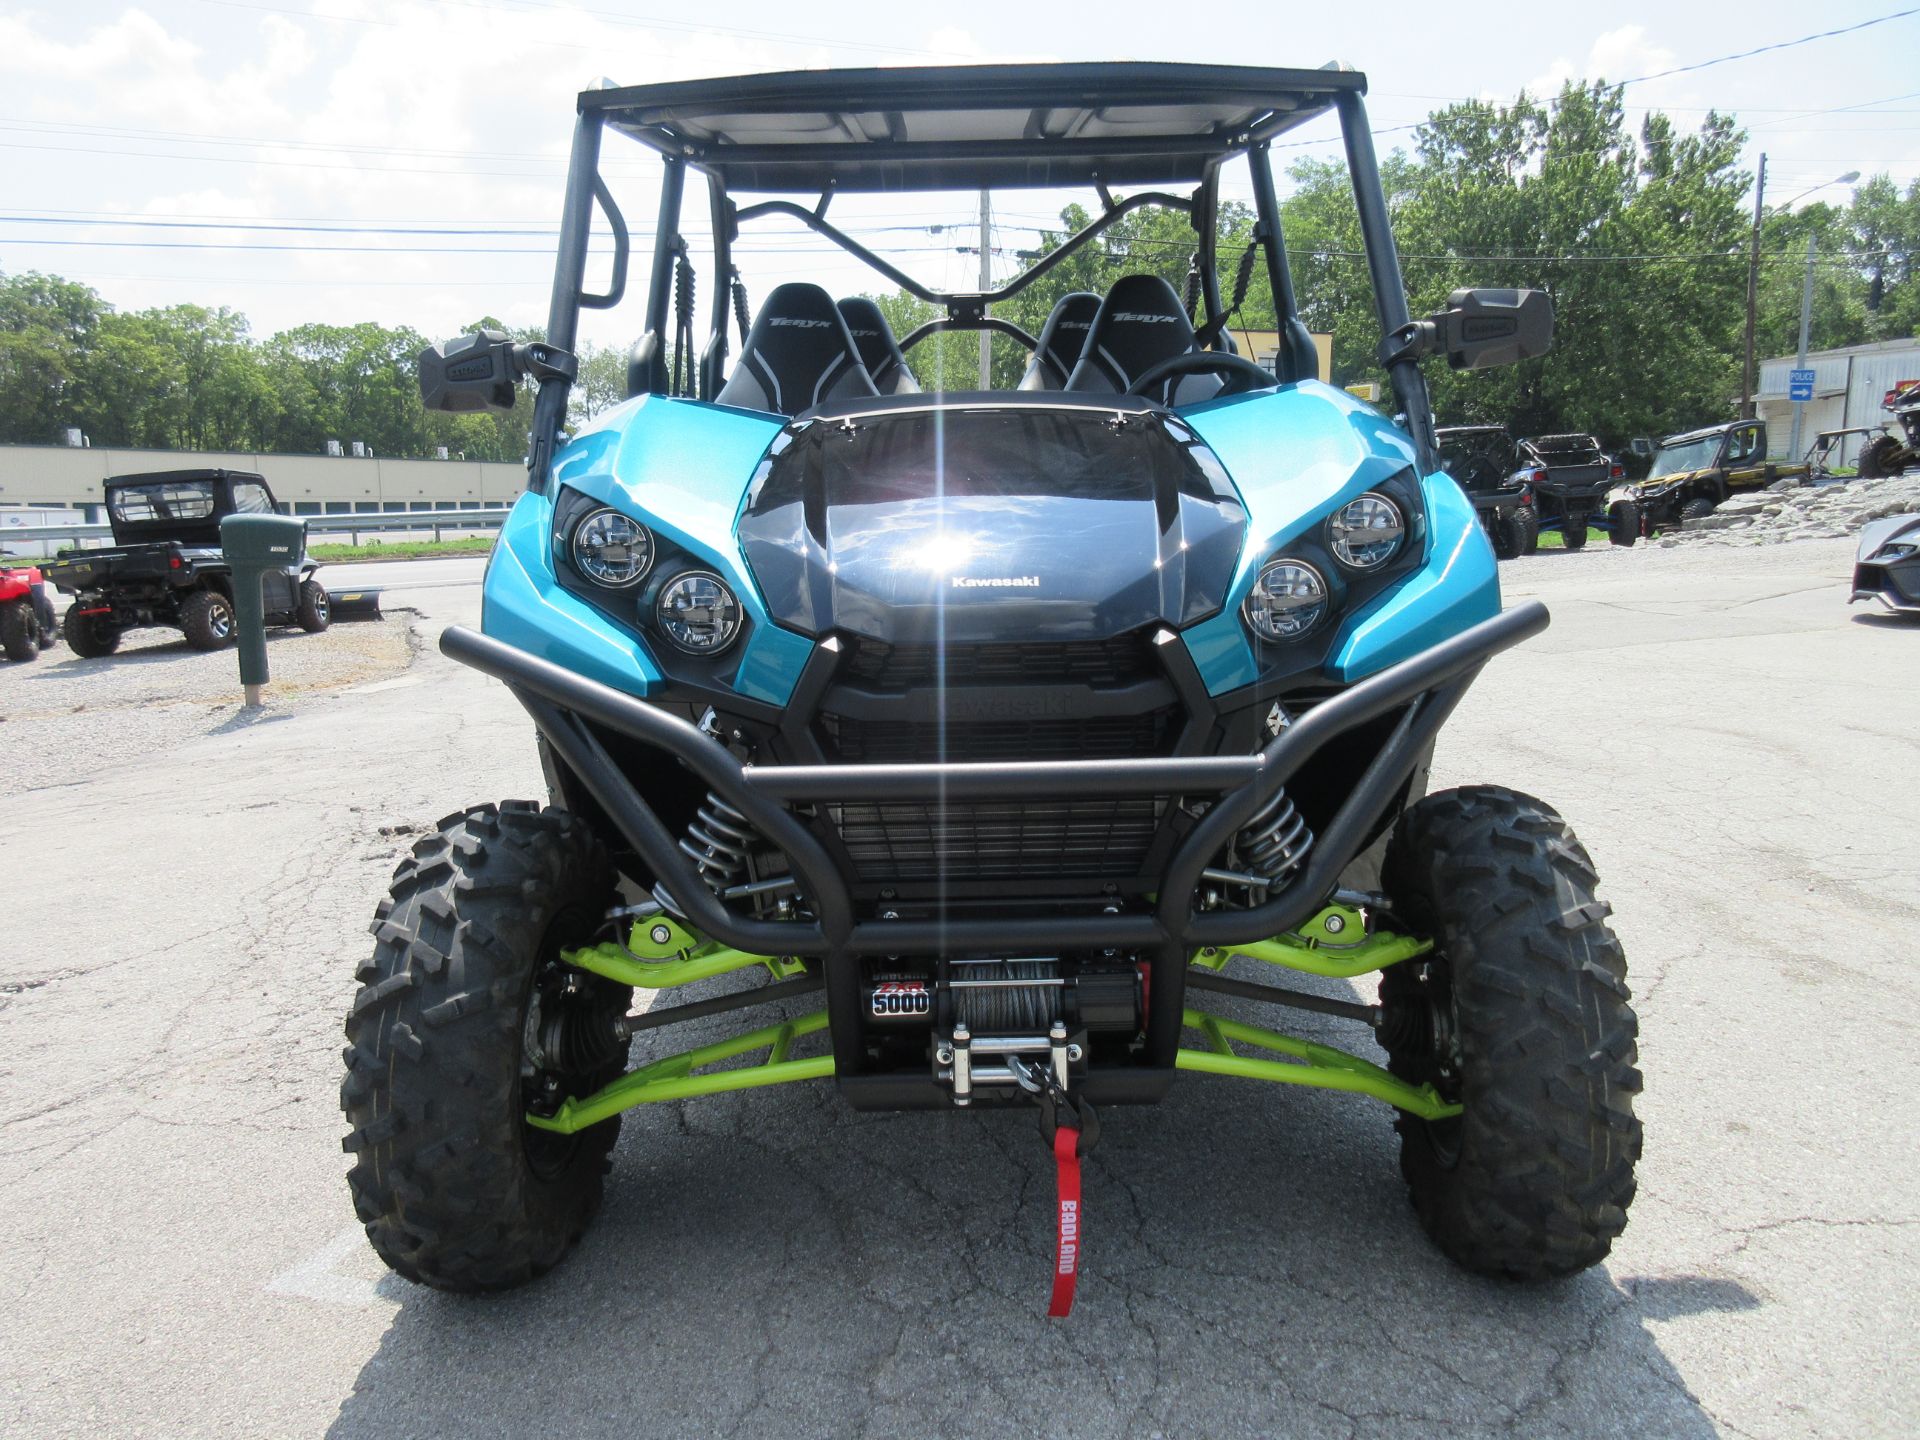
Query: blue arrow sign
(1800, 384)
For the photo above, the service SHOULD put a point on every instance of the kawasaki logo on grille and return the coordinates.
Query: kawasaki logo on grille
(996, 582)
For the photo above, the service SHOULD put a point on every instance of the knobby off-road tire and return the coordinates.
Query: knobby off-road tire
(1573, 533)
(1877, 458)
(206, 619)
(1623, 520)
(17, 630)
(1697, 508)
(456, 1190)
(86, 636)
(316, 609)
(1521, 1014)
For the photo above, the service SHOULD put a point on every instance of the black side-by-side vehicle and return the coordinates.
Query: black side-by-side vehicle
(166, 566)
(1486, 463)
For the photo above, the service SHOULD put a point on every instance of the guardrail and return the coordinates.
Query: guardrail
(438, 521)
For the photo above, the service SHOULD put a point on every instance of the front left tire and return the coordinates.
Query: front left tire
(1520, 1014)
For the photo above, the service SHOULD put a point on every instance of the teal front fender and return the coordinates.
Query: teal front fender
(680, 467)
(524, 606)
(1457, 587)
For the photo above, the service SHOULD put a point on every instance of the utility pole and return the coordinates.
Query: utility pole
(986, 284)
(1753, 291)
(1806, 321)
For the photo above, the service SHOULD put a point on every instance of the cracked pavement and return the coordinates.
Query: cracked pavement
(1736, 749)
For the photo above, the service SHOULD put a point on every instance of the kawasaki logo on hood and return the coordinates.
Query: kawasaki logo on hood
(996, 582)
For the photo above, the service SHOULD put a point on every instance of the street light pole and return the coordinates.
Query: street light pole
(1800, 361)
(1753, 290)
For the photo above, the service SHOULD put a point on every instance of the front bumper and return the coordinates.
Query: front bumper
(1422, 690)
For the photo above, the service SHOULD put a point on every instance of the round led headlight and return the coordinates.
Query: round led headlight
(1287, 600)
(612, 549)
(1366, 533)
(698, 612)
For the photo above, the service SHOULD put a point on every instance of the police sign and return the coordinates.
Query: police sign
(1800, 384)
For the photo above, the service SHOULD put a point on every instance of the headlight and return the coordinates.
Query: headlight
(1366, 533)
(612, 549)
(1287, 600)
(698, 612)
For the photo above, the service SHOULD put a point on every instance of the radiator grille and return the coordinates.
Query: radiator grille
(1119, 660)
(895, 742)
(993, 840)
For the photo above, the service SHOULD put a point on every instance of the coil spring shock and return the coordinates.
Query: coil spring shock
(1277, 840)
(719, 841)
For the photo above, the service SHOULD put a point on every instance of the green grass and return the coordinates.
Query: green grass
(1550, 539)
(402, 549)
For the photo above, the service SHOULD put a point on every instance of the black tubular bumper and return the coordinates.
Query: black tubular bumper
(1424, 688)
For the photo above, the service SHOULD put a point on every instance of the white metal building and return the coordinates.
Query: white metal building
(1847, 388)
(52, 477)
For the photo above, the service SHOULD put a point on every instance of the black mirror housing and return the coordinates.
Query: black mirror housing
(476, 372)
(1480, 329)
(1641, 447)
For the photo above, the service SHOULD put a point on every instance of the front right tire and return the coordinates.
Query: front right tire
(448, 1049)
(1520, 1014)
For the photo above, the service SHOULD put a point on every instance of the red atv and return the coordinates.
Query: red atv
(26, 615)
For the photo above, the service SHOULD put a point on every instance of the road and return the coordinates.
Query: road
(397, 575)
(1736, 749)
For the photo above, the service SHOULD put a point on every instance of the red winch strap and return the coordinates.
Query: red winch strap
(1066, 1257)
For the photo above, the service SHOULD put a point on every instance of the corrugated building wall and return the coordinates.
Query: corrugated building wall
(1848, 385)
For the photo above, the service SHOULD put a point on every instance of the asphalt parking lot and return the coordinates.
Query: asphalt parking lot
(1736, 748)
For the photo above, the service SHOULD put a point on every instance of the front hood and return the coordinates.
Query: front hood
(982, 519)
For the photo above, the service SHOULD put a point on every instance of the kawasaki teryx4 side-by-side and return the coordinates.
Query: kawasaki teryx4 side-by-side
(1022, 732)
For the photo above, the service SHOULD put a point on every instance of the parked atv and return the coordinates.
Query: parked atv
(1693, 474)
(26, 614)
(1485, 462)
(1895, 449)
(998, 724)
(166, 566)
(1577, 486)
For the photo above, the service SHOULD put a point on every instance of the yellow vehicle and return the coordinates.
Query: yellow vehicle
(1693, 474)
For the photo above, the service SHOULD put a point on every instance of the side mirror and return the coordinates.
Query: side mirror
(1483, 328)
(475, 372)
(1640, 447)
(481, 371)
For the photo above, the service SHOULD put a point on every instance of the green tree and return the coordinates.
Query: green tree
(47, 330)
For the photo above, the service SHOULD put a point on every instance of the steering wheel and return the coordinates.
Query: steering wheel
(1241, 373)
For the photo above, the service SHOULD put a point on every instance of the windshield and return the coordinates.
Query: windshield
(162, 500)
(1689, 455)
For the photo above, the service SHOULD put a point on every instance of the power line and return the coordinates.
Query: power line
(1768, 49)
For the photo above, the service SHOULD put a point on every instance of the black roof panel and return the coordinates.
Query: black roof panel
(964, 127)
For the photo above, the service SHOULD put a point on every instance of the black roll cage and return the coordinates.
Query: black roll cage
(586, 189)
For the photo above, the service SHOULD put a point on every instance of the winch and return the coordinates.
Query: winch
(1010, 1024)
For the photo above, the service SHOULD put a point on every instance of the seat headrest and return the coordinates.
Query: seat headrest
(879, 351)
(798, 354)
(1141, 323)
(1061, 340)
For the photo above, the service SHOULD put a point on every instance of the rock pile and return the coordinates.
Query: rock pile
(1788, 510)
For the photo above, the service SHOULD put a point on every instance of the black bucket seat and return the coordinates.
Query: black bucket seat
(879, 351)
(798, 354)
(1139, 324)
(1062, 339)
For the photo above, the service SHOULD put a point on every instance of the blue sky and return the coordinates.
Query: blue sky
(456, 112)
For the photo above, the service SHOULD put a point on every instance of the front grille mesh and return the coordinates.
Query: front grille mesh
(1120, 660)
(895, 742)
(995, 840)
